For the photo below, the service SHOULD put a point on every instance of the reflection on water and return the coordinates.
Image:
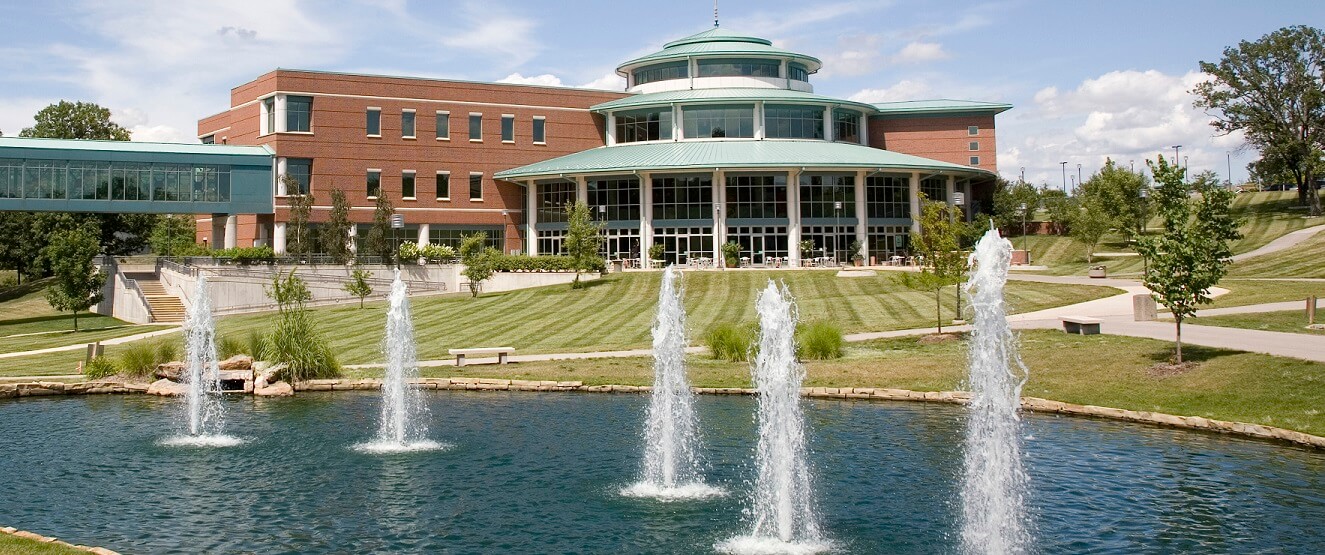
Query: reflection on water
(541, 473)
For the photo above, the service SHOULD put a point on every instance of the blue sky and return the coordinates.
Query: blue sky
(1089, 79)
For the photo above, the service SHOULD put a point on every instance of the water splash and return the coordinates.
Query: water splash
(204, 415)
(671, 434)
(402, 426)
(782, 514)
(994, 481)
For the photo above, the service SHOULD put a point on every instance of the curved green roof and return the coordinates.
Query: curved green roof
(732, 154)
(721, 42)
(940, 106)
(711, 96)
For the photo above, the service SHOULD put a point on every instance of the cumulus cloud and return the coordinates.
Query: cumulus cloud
(608, 82)
(905, 89)
(919, 52)
(546, 79)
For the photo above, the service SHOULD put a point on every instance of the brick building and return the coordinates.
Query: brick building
(718, 138)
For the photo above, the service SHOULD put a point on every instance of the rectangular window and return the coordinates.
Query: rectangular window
(443, 186)
(552, 201)
(683, 198)
(507, 128)
(209, 140)
(756, 196)
(269, 110)
(793, 122)
(828, 196)
(614, 199)
(407, 124)
(301, 171)
(975, 160)
(475, 186)
(887, 197)
(797, 72)
(443, 126)
(475, 126)
(299, 113)
(540, 130)
(662, 72)
(374, 125)
(975, 145)
(442, 234)
(973, 130)
(846, 126)
(936, 188)
(738, 67)
(374, 183)
(407, 184)
(644, 125)
(719, 121)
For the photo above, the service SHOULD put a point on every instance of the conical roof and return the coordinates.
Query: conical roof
(720, 42)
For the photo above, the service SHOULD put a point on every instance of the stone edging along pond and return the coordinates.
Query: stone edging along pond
(46, 539)
(1035, 404)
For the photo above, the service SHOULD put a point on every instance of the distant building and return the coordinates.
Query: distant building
(719, 137)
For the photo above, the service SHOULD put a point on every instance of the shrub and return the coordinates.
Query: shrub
(731, 253)
(166, 351)
(819, 340)
(227, 347)
(438, 254)
(246, 255)
(296, 342)
(732, 342)
(409, 253)
(100, 367)
(254, 345)
(656, 251)
(138, 359)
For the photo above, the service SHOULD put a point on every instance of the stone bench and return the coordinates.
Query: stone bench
(503, 353)
(1083, 325)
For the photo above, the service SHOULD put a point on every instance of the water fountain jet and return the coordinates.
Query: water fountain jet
(402, 425)
(204, 415)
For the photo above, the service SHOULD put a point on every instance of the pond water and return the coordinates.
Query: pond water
(541, 473)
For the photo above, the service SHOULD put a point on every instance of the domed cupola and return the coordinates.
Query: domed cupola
(719, 58)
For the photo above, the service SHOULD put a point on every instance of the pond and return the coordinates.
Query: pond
(542, 472)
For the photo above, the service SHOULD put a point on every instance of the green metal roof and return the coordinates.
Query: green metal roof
(718, 41)
(709, 96)
(134, 147)
(941, 106)
(731, 154)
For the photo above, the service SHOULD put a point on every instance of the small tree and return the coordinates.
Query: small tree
(477, 259)
(289, 291)
(583, 237)
(656, 251)
(731, 253)
(174, 236)
(1014, 203)
(1090, 223)
(335, 234)
(358, 285)
(1193, 252)
(1060, 208)
(939, 242)
(379, 240)
(857, 249)
(78, 281)
(298, 240)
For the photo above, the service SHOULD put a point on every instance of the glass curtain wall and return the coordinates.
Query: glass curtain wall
(683, 218)
(552, 201)
(828, 202)
(887, 197)
(653, 124)
(131, 181)
(935, 188)
(719, 121)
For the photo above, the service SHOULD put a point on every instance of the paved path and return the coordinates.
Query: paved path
(81, 346)
(1254, 308)
(1282, 242)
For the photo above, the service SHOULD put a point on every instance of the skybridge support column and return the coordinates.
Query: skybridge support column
(861, 226)
(914, 192)
(278, 238)
(231, 231)
(218, 231)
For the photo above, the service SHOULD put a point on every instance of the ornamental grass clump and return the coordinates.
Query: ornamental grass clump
(227, 347)
(100, 367)
(819, 340)
(138, 359)
(295, 340)
(732, 342)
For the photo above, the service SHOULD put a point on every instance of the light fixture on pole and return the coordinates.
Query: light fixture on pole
(1185, 166)
(1079, 182)
(1228, 155)
(1064, 165)
(1175, 154)
(1023, 174)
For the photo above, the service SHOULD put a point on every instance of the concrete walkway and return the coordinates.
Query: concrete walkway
(81, 346)
(1282, 242)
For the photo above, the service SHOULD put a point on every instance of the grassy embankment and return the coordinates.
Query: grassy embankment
(615, 313)
(27, 322)
(14, 545)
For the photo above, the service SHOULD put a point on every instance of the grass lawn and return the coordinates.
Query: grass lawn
(1101, 370)
(22, 546)
(1244, 292)
(28, 313)
(614, 314)
(1304, 260)
(1291, 321)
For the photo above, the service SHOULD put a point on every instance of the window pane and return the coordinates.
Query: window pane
(508, 128)
(374, 122)
(476, 187)
(797, 72)
(407, 185)
(301, 170)
(374, 183)
(269, 106)
(298, 113)
(846, 126)
(540, 130)
(552, 201)
(443, 126)
(738, 67)
(476, 127)
(644, 125)
(443, 185)
(662, 72)
(793, 122)
(407, 124)
(719, 121)
(614, 199)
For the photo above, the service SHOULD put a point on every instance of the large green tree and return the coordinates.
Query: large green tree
(78, 281)
(75, 120)
(1015, 202)
(1193, 252)
(583, 237)
(1090, 221)
(1120, 193)
(1273, 90)
(335, 234)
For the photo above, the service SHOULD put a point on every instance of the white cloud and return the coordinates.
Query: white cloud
(492, 33)
(905, 89)
(854, 55)
(919, 52)
(546, 79)
(608, 82)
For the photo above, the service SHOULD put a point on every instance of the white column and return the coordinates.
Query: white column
(231, 231)
(914, 185)
(611, 128)
(861, 227)
(645, 218)
(280, 113)
(354, 233)
(531, 208)
(582, 190)
(828, 123)
(278, 238)
(676, 123)
(281, 166)
(425, 230)
(759, 120)
(793, 218)
(218, 231)
(864, 129)
(719, 215)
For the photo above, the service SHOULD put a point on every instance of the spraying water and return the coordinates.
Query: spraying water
(204, 416)
(671, 433)
(994, 480)
(402, 425)
(782, 514)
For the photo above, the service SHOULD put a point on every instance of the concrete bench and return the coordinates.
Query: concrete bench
(1081, 324)
(503, 353)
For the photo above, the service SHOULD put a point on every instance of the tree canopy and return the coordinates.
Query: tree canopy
(335, 233)
(78, 281)
(75, 120)
(583, 237)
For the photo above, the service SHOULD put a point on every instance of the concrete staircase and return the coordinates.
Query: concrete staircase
(166, 308)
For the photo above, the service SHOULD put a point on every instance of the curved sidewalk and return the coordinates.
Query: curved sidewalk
(81, 346)
(1282, 242)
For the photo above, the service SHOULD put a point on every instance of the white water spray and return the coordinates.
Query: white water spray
(204, 415)
(671, 433)
(402, 425)
(994, 480)
(782, 514)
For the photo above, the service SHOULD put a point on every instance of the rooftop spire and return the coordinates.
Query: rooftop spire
(715, 13)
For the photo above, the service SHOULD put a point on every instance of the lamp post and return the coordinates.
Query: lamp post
(1175, 154)
(837, 227)
(397, 224)
(1079, 182)
(1132, 164)
(1064, 165)
(1145, 217)
(1023, 174)
(1228, 156)
(1184, 170)
(1022, 207)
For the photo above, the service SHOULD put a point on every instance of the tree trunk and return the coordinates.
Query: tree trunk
(1178, 340)
(938, 308)
(1312, 195)
(75, 320)
(361, 303)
